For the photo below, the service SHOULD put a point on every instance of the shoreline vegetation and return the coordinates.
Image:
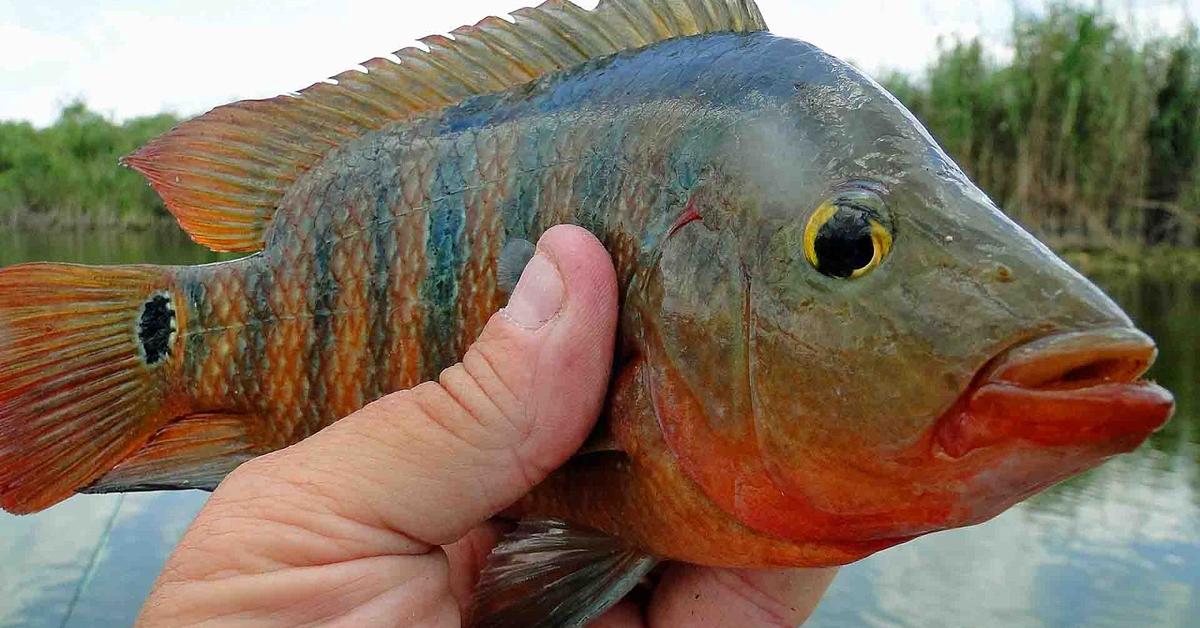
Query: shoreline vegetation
(1089, 136)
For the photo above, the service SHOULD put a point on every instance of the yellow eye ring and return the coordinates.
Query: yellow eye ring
(837, 237)
(882, 244)
(815, 222)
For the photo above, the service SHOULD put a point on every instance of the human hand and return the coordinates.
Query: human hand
(384, 518)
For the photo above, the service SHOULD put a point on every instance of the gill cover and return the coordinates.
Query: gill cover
(844, 285)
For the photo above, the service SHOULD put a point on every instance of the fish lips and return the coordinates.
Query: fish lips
(1078, 388)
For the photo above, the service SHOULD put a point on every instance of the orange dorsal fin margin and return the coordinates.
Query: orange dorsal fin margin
(224, 173)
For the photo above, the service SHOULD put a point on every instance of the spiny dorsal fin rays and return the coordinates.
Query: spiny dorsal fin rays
(224, 173)
(459, 59)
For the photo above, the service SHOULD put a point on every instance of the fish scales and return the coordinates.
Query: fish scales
(311, 304)
(287, 331)
(380, 255)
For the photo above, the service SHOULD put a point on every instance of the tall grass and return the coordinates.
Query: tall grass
(1088, 136)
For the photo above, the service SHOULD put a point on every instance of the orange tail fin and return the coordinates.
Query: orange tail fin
(84, 371)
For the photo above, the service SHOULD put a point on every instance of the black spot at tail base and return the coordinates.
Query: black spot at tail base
(155, 328)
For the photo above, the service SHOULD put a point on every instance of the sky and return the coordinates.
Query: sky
(127, 58)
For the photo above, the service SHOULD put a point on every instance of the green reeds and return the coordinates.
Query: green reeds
(67, 173)
(1088, 136)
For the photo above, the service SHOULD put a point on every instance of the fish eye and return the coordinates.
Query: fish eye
(846, 237)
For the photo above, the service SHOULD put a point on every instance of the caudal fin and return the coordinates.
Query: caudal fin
(84, 353)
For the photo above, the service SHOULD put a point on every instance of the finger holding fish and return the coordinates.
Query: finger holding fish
(369, 499)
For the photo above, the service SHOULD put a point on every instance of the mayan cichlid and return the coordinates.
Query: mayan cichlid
(831, 341)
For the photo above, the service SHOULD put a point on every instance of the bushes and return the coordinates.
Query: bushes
(1088, 136)
(68, 172)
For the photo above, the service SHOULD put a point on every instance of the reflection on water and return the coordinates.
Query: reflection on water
(1119, 546)
(167, 245)
(90, 560)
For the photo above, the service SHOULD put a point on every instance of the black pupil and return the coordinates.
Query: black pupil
(844, 244)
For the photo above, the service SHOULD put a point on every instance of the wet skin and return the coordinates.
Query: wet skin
(827, 417)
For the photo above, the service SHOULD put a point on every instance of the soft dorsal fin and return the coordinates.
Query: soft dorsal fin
(223, 174)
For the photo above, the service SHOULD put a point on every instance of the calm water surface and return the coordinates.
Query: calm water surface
(1119, 546)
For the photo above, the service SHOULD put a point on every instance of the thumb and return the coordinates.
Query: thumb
(436, 460)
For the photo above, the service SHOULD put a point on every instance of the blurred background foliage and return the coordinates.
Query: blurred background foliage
(68, 174)
(1088, 135)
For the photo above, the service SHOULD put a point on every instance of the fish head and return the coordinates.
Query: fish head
(854, 345)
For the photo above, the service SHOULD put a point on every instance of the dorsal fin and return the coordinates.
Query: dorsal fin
(223, 174)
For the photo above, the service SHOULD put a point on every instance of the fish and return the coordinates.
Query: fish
(830, 341)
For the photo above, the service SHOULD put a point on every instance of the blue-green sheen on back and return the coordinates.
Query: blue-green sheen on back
(718, 70)
(445, 252)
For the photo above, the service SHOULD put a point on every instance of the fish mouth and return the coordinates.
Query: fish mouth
(1075, 388)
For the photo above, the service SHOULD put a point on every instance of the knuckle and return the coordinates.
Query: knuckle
(457, 405)
(499, 385)
(478, 404)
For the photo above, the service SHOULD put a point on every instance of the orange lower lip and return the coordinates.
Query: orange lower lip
(1071, 389)
(999, 412)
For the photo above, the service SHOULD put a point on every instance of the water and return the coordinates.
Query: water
(1119, 546)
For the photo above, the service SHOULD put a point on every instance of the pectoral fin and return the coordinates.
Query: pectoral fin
(548, 573)
(193, 452)
(512, 262)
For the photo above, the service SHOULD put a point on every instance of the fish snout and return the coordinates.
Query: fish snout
(1069, 389)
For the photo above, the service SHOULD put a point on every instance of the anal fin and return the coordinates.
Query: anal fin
(193, 452)
(548, 573)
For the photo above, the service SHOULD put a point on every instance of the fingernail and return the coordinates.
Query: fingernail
(538, 296)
